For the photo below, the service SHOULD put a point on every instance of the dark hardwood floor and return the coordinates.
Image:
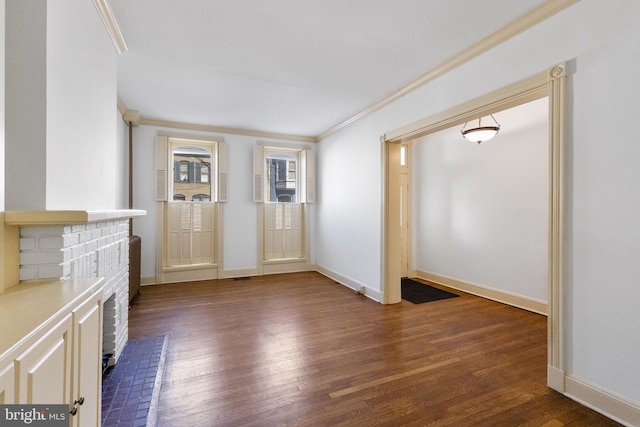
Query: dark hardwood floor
(299, 349)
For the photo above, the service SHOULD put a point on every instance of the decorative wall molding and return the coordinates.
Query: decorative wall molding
(526, 303)
(111, 25)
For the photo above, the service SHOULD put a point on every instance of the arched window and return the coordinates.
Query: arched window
(178, 197)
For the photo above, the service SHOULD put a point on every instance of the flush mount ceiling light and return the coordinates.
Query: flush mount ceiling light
(480, 133)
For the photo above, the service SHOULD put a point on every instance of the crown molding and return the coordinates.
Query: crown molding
(123, 109)
(110, 23)
(530, 19)
(227, 130)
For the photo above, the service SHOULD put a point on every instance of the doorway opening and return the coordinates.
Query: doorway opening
(551, 84)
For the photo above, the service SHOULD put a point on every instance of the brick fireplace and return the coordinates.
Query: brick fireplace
(85, 249)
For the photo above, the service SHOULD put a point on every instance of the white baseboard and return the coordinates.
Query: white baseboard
(186, 275)
(555, 379)
(181, 274)
(526, 303)
(356, 285)
(241, 272)
(147, 280)
(286, 266)
(612, 406)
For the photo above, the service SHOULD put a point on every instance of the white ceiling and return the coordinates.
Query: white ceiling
(288, 66)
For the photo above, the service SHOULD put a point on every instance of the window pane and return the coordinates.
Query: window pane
(193, 170)
(403, 155)
(204, 172)
(281, 178)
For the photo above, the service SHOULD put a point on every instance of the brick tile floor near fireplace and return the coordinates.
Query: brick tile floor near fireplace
(130, 388)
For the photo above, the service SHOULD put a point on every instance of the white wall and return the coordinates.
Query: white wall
(62, 146)
(25, 104)
(481, 211)
(240, 231)
(603, 275)
(602, 219)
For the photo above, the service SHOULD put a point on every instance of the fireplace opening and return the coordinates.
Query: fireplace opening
(109, 325)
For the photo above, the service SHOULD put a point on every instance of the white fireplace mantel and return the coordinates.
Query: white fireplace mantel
(12, 221)
(63, 217)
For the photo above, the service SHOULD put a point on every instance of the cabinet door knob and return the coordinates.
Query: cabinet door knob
(74, 410)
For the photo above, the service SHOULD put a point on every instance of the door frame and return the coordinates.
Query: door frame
(550, 83)
(406, 204)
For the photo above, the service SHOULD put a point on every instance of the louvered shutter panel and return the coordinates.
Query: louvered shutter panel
(162, 164)
(258, 173)
(223, 172)
(197, 166)
(192, 177)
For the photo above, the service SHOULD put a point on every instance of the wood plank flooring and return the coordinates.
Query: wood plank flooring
(301, 350)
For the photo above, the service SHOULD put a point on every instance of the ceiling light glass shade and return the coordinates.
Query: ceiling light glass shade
(480, 133)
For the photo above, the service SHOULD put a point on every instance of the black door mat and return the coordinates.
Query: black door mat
(419, 293)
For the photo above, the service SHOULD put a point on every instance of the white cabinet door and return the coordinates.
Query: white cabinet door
(43, 371)
(7, 384)
(87, 362)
